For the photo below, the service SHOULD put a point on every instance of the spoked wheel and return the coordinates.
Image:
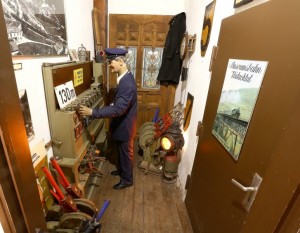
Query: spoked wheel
(74, 220)
(86, 206)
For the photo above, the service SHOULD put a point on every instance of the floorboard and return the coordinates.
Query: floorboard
(150, 206)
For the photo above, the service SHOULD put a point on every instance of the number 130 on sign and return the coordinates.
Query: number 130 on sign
(65, 94)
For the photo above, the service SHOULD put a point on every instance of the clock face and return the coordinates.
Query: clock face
(183, 46)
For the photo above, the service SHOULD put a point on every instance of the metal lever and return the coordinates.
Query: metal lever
(57, 142)
(242, 187)
(251, 190)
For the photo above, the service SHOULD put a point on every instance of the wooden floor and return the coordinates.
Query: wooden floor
(150, 206)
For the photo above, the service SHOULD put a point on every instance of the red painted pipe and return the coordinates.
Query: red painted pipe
(53, 183)
(60, 172)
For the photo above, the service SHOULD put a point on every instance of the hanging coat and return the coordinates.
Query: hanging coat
(171, 62)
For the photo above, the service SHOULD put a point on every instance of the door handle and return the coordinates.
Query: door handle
(242, 187)
(56, 142)
(251, 191)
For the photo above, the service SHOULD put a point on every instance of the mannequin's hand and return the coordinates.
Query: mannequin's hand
(85, 111)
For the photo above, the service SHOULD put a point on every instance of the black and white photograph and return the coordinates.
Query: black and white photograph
(35, 27)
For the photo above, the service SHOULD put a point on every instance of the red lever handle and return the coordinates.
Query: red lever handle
(65, 181)
(53, 183)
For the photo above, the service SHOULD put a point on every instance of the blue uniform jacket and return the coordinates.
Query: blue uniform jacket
(123, 111)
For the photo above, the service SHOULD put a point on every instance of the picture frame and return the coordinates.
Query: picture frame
(188, 111)
(238, 3)
(36, 29)
(237, 102)
(26, 114)
(207, 26)
(73, 55)
(192, 43)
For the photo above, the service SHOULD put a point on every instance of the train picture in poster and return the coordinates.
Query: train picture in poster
(239, 94)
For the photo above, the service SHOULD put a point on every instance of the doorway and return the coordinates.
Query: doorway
(144, 37)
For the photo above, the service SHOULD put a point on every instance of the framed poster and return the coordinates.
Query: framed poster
(241, 87)
(35, 27)
(207, 26)
(188, 111)
(26, 114)
(238, 3)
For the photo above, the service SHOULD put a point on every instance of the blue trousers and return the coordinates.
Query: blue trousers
(125, 159)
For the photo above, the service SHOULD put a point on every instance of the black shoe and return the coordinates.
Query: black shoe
(115, 173)
(122, 185)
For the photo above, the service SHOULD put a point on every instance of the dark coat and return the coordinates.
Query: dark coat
(171, 62)
(123, 111)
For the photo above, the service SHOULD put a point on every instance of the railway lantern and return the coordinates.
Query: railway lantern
(171, 143)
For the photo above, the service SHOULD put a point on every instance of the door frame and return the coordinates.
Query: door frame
(17, 163)
(148, 99)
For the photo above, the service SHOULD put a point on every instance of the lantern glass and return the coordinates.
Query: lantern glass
(166, 143)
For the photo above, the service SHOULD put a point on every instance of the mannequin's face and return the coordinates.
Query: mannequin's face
(116, 65)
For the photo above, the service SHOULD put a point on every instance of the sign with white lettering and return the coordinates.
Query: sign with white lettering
(65, 94)
(241, 87)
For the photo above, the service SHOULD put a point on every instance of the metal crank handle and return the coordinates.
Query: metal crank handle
(242, 187)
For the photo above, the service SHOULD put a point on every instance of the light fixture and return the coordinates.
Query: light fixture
(167, 143)
(171, 143)
(173, 139)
